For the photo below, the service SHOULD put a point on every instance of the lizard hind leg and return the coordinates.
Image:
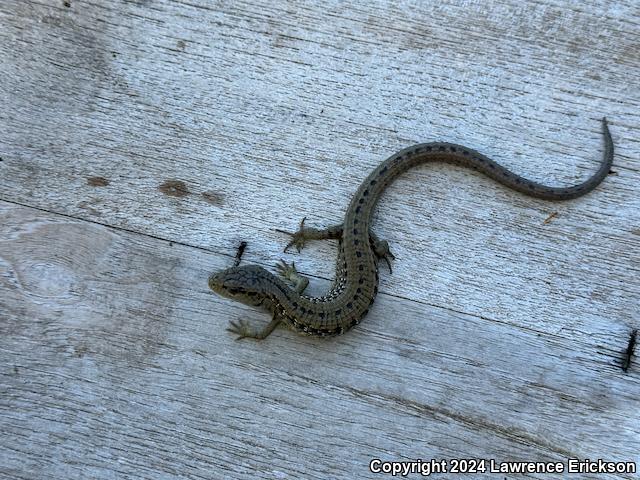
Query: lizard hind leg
(299, 238)
(381, 249)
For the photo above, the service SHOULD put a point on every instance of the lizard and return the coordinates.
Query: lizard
(359, 250)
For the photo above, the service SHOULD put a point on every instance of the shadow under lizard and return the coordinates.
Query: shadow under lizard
(359, 251)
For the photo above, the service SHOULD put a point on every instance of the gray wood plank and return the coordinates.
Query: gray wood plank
(209, 124)
(137, 124)
(116, 365)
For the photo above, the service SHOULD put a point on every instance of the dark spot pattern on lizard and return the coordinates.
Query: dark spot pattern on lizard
(356, 284)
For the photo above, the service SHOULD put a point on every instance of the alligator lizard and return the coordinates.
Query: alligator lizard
(356, 284)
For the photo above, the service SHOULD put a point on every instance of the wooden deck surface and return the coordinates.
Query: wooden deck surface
(141, 141)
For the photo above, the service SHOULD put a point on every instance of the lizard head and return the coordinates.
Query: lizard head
(245, 284)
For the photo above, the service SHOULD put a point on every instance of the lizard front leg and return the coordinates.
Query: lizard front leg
(289, 272)
(244, 330)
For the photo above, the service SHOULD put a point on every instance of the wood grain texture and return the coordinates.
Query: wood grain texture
(116, 363)
(141, 141)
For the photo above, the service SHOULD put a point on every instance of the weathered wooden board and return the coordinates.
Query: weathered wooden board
(267, 113)
(128, 125)
(116, 364)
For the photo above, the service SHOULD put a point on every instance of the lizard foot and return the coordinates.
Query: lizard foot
(290, 273)
(382, 251)
(285, 270)
(242, 329)
(297, 239)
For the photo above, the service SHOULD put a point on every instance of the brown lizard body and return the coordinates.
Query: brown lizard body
(356, 284)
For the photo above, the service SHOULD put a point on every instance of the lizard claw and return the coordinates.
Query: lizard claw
(386, 259)
(297, 238)
(240, 328)
(285, 270)
(382, 251)
(290, 273)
